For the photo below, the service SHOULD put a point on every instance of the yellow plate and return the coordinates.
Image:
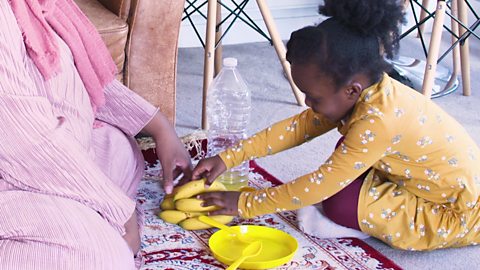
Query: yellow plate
(278, 247)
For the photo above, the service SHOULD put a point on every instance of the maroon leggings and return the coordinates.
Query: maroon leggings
(341, 208)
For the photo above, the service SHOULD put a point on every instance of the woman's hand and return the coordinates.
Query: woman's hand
(226, 200)
(171, 152)
(209, 168)
(175, 160)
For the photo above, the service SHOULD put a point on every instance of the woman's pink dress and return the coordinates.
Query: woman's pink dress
(66, 188)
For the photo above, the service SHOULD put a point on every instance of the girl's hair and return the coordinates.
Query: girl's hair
(355, 39)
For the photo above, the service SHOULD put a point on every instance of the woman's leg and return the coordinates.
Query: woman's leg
(121, 160)
(48, 232)
(119, 157)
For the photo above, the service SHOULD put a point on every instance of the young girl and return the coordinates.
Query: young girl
(405, 171)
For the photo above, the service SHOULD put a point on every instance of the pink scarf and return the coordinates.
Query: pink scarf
(39, 19)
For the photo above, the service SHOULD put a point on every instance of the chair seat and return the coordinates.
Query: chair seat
(112, 29)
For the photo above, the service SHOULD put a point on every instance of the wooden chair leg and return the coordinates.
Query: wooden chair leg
(423, 14)
(456, 50)
(208, 68)
(280, 49)
(218, 35)
(434, 48)
(464, 49)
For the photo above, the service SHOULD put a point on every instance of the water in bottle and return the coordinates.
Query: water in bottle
(228, 114)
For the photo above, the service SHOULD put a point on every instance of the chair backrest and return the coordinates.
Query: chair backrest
(119, 7)
(142, 36)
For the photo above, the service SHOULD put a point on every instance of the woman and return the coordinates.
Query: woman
(69, 165)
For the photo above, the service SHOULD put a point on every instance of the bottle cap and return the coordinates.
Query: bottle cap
(230, 62)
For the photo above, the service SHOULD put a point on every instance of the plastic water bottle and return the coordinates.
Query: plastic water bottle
(228, 115)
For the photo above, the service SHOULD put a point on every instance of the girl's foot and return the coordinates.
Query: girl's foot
(313, 222)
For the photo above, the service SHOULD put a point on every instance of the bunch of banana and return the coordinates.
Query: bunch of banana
(182, 208)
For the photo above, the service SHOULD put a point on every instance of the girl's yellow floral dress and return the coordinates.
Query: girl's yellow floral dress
(422, 189)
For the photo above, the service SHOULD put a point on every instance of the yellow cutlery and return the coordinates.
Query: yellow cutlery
(252, 250)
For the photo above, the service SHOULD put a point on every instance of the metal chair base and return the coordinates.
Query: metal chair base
(413, 70)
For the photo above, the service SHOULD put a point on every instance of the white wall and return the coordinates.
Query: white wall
(289, 15)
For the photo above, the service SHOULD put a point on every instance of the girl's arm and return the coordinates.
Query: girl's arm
(364, 145)
(281, 136)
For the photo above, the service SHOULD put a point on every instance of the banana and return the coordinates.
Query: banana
(175, 216)
(195, 224)
(172, 216)
(194, 214)
(193, 205)
(193, 188)
(167, 203)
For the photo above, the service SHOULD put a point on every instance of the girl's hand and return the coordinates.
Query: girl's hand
(209, 168)
(226, 200)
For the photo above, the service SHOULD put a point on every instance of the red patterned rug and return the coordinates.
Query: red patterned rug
(167, 246)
